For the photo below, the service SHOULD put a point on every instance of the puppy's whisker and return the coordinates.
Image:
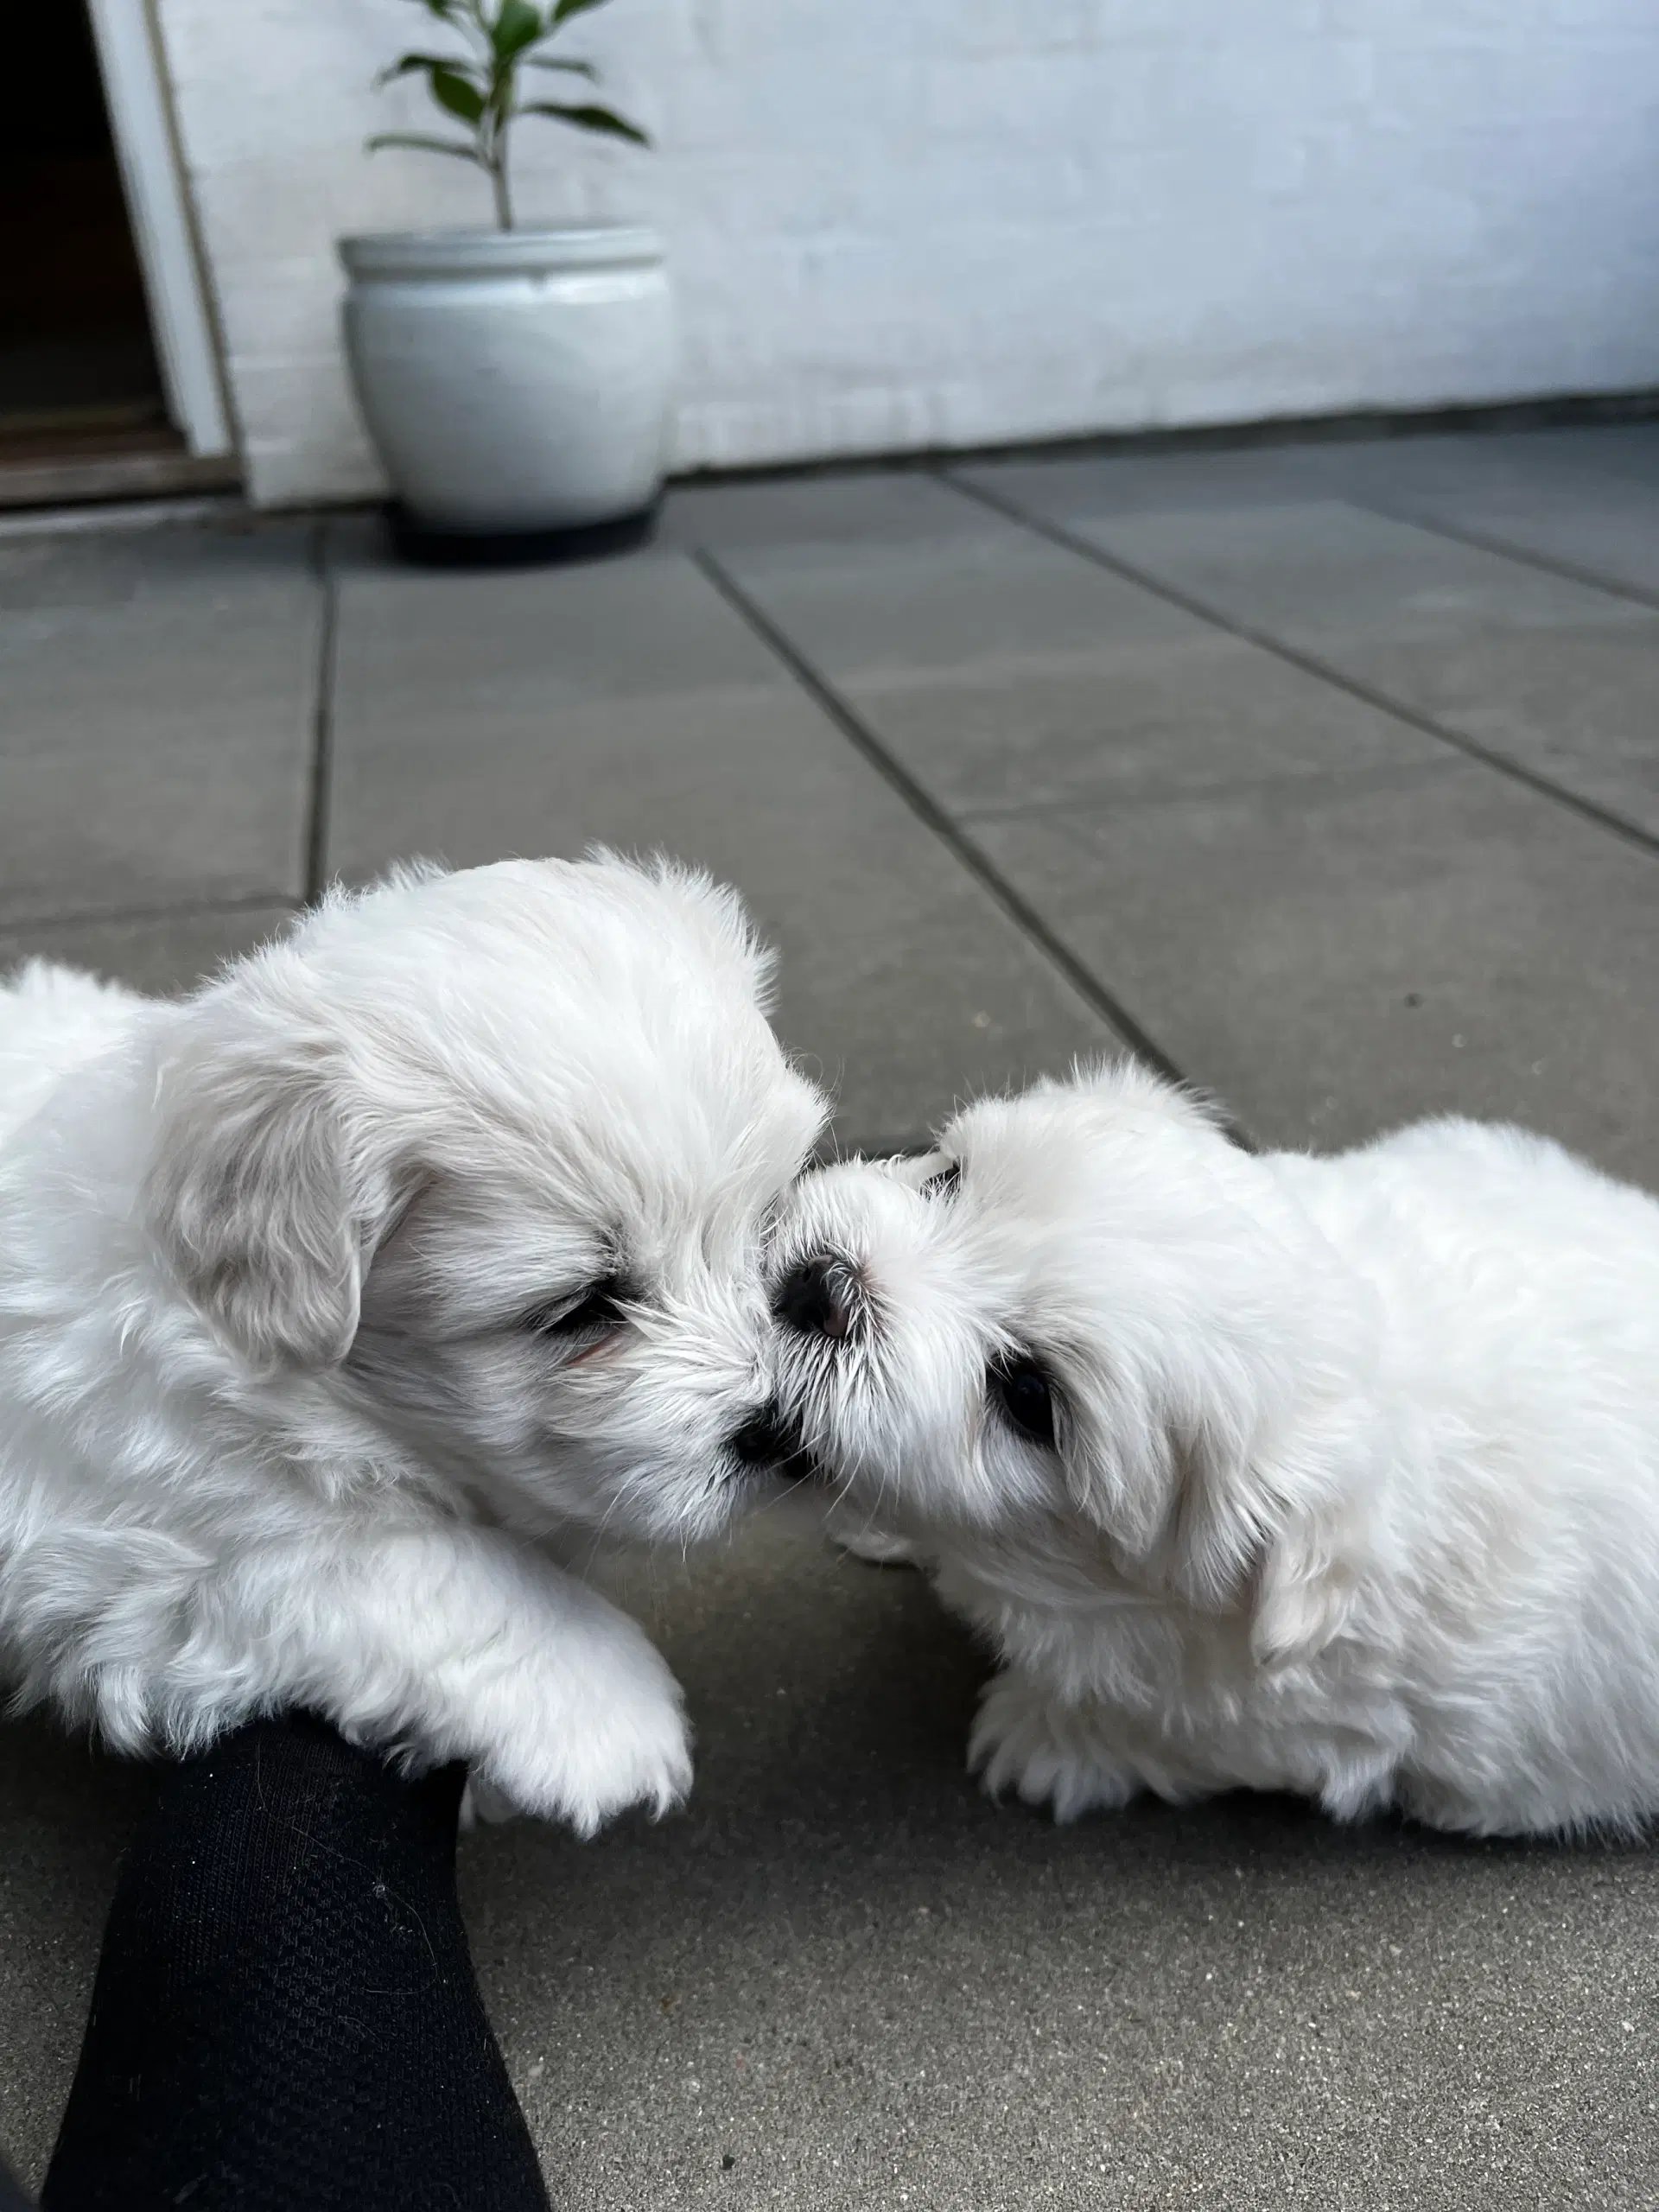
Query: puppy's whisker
(590, 1557)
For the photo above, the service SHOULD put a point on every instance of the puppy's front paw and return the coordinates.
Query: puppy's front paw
(855, 1533)
(874, 1549)
(626, 1743)
(1046, 1752)
(481, 1801)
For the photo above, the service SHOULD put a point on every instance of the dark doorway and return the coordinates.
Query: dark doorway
(75, 348)
(82, 414)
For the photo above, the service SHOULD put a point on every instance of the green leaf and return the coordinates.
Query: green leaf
(576, 68)
(424, 145)
(457, 93)
(563, 9)
(443, 10)
(516, 26)
(406, 64)
(590, 118)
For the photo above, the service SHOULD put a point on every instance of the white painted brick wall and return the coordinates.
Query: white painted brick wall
(899, 223)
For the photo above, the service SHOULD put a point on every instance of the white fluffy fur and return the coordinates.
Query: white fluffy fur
(275, 1426)
(1355, 1489)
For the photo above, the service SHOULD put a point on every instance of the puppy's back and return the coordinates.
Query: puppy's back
(53, 1020)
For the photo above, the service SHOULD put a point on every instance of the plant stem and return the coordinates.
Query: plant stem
(492, 126)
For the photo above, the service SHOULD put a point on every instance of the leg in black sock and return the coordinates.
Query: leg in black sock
(285, 2016)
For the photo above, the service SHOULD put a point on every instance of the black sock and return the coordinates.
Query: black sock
(285, 2018)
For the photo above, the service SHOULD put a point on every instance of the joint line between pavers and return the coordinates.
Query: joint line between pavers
(1521, 557)
(171, 910)
(320, 787)
(1619, 825)
(933, 818)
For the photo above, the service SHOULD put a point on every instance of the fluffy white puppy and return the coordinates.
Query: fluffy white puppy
(1335, 1476)
(342, 1303)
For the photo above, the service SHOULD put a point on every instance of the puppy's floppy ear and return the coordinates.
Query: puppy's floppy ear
(252, 1196)
(1244, 1526)
(1205, 1504)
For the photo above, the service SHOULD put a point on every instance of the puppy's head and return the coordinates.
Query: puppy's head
(493, 1153)
(1088, 1328)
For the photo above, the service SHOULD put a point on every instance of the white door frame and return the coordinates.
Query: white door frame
(130, 58)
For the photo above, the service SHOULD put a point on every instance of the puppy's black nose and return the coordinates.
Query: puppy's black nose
(819, 1297)
(763, 1440)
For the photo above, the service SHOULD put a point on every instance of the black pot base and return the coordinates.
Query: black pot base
(430, 547)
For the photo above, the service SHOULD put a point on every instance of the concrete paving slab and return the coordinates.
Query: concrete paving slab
(1005, 672)
(1008, 734)
(161, 954)
(1622, 451)
(1337, 580)
(855, 507)
(1607, 532)
(932, 605)
(478, 716)
(1339, 956)
(1588, 460)
(841, 1979)
(1130, 482)
(156, 733)
(1538, 669)
(1265, 476)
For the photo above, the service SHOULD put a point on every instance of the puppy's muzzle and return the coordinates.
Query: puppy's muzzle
(819, 1298)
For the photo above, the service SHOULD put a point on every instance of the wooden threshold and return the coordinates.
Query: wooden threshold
(64, 467)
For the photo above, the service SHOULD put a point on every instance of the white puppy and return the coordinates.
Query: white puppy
(344, 1300)
(1335, 1476)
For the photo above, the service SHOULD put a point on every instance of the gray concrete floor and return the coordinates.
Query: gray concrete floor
(1327, 772)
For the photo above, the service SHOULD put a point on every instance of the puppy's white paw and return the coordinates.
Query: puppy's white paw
(874, 1549)
(1025, 1740)
(855, 1533)
(629, 1744)
(480, 1802)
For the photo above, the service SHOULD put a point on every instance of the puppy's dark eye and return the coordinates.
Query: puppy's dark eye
(1025, 1397)
(594, 1311)
(946, 1184)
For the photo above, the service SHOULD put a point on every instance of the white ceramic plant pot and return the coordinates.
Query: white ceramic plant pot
(513, 380)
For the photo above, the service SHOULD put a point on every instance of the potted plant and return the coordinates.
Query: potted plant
(514, 381)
